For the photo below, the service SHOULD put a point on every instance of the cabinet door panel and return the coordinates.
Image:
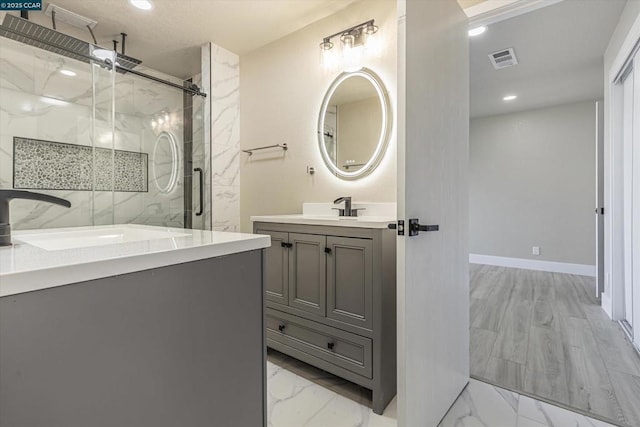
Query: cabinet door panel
(349, 280)
(275, 267)
(307, 273)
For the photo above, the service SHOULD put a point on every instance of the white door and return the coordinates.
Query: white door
(599, 210)
(636, 202)
(433, 153)
(627, 149)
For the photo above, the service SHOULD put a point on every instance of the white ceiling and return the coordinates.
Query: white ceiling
(168, 37)
(560, 51)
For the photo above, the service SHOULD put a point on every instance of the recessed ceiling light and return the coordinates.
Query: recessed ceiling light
(67, 73)
(142, 4)
(509, 97)
(477, 31)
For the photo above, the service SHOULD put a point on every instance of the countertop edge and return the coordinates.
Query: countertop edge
(287, 219)
(29, 281)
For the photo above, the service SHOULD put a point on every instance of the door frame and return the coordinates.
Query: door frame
(613, 297)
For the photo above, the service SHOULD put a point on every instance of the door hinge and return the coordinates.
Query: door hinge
(415, 227)
(399, 226)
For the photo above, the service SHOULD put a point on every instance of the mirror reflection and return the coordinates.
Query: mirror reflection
(353, 124)
(165, 162)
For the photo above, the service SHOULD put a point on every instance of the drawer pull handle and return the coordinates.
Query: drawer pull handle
(330, 345)
(281, 327)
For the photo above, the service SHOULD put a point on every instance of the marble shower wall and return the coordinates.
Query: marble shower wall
(225, 138)
(38, 102)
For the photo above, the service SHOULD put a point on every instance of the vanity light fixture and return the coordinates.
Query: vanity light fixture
(509, 98)
(142, 4)
(352, 39)
(68, 73)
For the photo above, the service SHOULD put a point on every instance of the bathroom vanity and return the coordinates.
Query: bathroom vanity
(330, 289)
(132, 325)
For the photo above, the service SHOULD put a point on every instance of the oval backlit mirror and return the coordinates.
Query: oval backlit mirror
(165, 162)
(354, 124)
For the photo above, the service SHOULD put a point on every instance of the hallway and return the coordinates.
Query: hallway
(544, 334)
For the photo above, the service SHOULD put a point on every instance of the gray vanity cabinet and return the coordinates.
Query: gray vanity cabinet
(307, 272)
(276, 267)
(349, 281)
(331, 301)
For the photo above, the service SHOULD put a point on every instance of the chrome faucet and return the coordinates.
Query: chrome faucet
(347, 205)
(348, 210)
(7, 195)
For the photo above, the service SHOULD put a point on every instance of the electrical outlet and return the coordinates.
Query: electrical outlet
(535, 250)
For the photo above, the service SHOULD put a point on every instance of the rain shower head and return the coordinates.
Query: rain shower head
(30, 33)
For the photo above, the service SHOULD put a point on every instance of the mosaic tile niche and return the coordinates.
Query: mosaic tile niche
(48, 165)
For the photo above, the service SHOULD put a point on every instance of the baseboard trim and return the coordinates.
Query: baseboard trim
(530, 264)
(606, 304)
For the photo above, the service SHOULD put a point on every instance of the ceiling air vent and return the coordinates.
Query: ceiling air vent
(503, 58)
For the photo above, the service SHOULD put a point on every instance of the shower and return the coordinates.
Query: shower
(123, 142)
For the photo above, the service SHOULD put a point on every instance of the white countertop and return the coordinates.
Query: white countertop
(25, 267)
(372, 215)
(332, 221)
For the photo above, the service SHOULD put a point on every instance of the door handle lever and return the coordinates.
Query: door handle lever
(415, 227)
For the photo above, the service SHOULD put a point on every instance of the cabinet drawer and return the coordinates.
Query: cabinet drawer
(344, 349)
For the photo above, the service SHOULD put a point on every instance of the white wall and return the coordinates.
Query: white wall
(532, 184)
(283, 86)
(613, 248)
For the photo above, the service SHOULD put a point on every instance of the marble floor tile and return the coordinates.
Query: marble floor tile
(481, 404)
(526, 422)
(295, 401)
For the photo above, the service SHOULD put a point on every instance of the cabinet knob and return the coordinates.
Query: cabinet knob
(281, 327)
(330, 345)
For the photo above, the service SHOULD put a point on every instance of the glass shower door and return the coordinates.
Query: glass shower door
(159, 172)
(103, 171)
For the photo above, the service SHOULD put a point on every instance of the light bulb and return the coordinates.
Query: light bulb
(351, 54)
(373, 44)
(328, 58)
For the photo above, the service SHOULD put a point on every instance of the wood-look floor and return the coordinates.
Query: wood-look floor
(545, 334)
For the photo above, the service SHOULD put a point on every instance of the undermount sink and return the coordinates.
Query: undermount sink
(84, 238)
